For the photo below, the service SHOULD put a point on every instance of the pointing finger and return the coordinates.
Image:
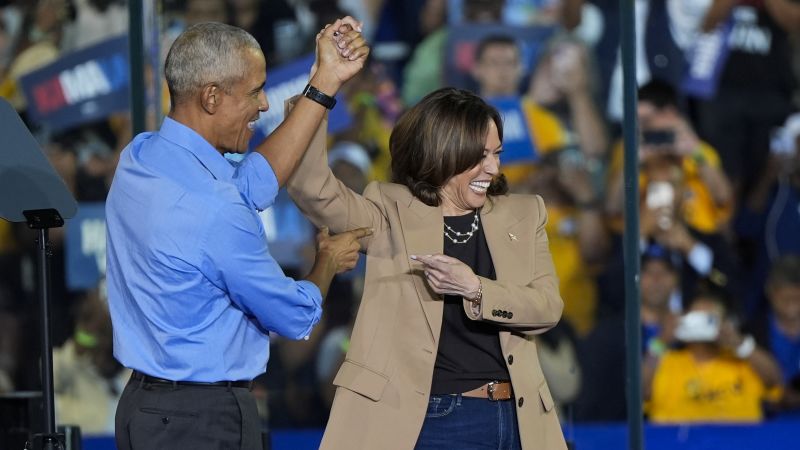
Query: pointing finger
(359, 233)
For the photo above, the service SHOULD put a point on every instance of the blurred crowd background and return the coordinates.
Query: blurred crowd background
(719, 184)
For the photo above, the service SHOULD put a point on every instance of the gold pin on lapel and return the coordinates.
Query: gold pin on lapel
(512, 236)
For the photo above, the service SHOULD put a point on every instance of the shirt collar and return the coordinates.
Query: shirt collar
(209, 157)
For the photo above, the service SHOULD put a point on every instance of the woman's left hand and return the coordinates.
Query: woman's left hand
(449, 276)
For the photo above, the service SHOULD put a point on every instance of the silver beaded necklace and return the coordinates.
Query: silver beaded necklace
(454, 237)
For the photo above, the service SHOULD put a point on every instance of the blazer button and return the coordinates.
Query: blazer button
(521, 401)
(510, 314)
(505, 314)
(510, 359)
(494, 313)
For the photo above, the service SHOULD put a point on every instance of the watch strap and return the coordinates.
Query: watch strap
(318, 96)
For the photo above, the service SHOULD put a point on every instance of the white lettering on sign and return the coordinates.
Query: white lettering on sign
(706, 55)
(513, 126)
(85, 81)
(93, 242)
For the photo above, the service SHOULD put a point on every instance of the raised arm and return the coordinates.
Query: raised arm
(717, 13)
(341, 53)
(785, 13)
(325, 200)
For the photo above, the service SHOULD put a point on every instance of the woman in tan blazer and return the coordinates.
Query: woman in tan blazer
(459, 281)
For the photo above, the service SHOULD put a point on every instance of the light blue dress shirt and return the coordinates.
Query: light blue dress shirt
(192, 288)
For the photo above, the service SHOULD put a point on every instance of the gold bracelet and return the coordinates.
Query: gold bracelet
(477, 299)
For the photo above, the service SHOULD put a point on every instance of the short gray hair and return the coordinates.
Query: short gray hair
(205, 53)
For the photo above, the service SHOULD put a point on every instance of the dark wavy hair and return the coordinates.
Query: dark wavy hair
(442, 136)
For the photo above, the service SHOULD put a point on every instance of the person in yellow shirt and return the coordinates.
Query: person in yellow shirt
(719, 376)
(707, 201)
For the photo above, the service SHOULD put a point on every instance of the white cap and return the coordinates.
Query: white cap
(351, 153)
(792, 126)
(784, 139)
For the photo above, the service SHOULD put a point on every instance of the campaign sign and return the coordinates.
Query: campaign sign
(80, 87)
(707, 59)
(463, 40)
(285, 82)
(85, 246)
(518, 145)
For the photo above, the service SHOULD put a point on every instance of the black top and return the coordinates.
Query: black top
(760, 53)
(469, 351)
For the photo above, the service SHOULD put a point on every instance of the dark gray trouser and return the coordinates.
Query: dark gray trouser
(158, 416)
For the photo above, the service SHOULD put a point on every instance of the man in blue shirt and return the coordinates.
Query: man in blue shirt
(193, 291)
(778, 328)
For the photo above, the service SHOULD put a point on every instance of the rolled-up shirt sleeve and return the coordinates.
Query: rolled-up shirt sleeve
(256, 181)
(237, 260)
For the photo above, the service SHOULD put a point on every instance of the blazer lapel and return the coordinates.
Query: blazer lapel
(510, 238)
(422, 227)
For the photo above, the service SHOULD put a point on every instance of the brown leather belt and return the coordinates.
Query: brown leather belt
(495, 390)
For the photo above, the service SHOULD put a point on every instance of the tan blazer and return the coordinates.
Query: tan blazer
(384, 382)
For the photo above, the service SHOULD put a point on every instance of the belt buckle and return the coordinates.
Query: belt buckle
(490, 388)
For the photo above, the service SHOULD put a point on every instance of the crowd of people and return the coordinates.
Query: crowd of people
(719, 182)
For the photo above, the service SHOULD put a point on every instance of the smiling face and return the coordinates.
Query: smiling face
(241, 106)
(466, 191)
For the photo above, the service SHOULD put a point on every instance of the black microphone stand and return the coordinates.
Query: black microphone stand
(42, 220)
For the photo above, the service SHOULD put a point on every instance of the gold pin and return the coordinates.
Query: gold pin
(512, 236)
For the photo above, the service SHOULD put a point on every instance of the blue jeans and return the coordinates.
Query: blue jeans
(465, 423)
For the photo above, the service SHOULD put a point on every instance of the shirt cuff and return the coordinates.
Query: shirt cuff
(701, 258)
(257, 181)
(316, 296)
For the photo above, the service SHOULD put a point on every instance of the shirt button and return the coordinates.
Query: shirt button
(510, 359)
(520, 401)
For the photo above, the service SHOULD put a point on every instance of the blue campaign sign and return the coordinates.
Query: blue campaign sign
(707, 60)
(85, 246)
(80, 87)
(518, 145)
(285, 82)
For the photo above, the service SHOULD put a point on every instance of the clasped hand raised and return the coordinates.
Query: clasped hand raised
(341, 53)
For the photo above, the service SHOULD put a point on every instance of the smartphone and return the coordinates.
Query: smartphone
(658, 137)
(660, 194)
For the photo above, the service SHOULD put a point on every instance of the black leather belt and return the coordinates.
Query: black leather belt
(138, 376)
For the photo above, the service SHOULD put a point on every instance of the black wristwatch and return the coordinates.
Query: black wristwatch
(318, 96)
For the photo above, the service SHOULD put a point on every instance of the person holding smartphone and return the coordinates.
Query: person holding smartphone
(686, 198)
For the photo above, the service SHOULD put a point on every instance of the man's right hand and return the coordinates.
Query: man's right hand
(341, 249)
